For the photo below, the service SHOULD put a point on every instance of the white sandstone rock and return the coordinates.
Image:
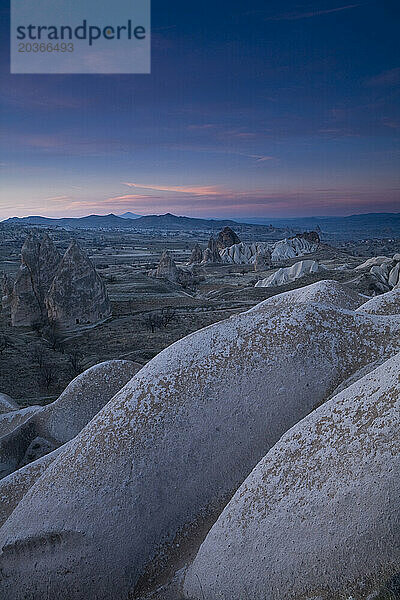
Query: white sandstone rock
(10, 420)
(394, 276)
(371, 262)
(7, 404)
(293, 247)
(387, 274)
(62, 420)
(163, 457)
(244, 254)
(385, 304)
(319, 516)
(327, 293)
(289, 274)
(14, 486)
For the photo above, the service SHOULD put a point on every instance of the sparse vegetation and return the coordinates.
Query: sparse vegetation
(153, 321)
(76, 362)
(5, 343)
(52, 333)
(160, 319)
(39, 355)
(47, 375)
(37, 327)
(168, 315)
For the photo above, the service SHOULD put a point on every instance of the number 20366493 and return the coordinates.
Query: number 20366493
(35, 47)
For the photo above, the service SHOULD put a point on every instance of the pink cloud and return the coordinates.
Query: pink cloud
(196, 190)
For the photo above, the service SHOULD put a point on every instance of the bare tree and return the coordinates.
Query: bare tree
(76, 362)
(153, 321)
(168, 315)
(5, 343)
(53, 335)
(160, 319)
(37, 327)
(47, 375)
(39, 355)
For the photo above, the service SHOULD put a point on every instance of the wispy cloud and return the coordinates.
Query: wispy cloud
(130, 197)
(201, 127)
(296, 16)
(222, 151)
(56, 198)
(194, 190)
(259, 158)
(390, 77)
(391, 123)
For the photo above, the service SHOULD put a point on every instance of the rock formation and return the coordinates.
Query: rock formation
(310, 236)
(39, 262)
(167, 268)
(263, 261)
(51, 426)
(226, 238)
(7, 404)
(14, 486)
(384, 272)
(154, 469)
(25, 307)
(385, 304)
(319, 515)
(11, 420)
(211, 253)
(367, 284)
(6, 291)
(197, 255)
(244, 254)
(291, 248)
(77, 294)
(372, 262)
(290, 274)
(67, 291)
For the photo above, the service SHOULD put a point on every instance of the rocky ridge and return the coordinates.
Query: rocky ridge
(161, 460)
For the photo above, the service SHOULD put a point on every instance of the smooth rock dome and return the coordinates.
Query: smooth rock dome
(51, 426)
(384, 304)
(319, 516)
(14, 486)
(157, 465)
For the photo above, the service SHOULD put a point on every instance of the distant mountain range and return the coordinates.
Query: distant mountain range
(130, 215)
(167, 222)
(380, 225)
(372, 225)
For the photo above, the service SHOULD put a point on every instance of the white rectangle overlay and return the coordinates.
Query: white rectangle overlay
(60, 36)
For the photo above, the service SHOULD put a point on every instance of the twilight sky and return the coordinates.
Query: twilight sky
(265, 108)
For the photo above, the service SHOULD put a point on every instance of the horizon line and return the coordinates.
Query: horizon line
(233, 218)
